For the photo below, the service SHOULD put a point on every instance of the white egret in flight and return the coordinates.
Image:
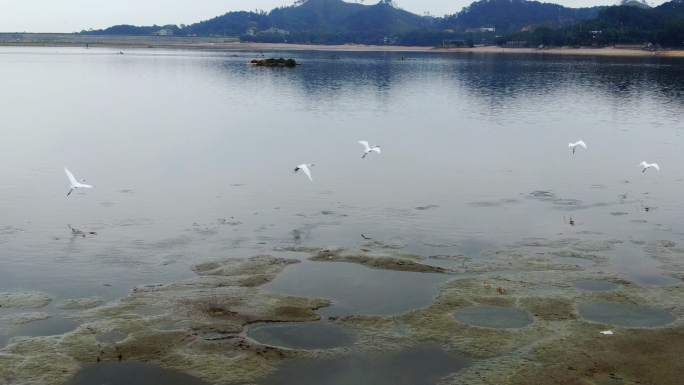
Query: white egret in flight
(574, 145)
(368, 149)
(646, 166)
(305, 168)
(74, 184)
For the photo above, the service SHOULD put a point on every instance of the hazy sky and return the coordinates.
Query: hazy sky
(76, 15)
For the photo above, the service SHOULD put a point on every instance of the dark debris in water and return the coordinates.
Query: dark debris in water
(428, 207)
(484, 204)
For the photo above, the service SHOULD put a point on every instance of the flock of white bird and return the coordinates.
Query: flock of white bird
(367, 150)
(645, 165)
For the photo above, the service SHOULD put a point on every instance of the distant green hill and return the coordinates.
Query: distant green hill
(338, 16)
(325, 15)
(384, 17)
(662, 25)
(338, 22)
(512, 15)
(232, 23)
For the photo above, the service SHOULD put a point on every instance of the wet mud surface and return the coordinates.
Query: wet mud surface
(494, 317)
(235, 322)
(595, 285)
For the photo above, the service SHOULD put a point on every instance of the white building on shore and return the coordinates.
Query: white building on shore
(164, 32)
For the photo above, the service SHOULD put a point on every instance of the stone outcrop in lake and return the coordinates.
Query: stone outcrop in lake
(275, 62)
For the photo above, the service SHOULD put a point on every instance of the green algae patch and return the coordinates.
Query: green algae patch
(494, 317)
(213, 303)
(589, 285)
(436, 322)
(378, 260)
(24, 318)
(256, 265)
(80, 303)
(24, 299)
(638, 356)
(211, 313)
(549, 309)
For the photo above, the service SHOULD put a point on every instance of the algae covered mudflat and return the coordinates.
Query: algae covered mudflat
(226, 329)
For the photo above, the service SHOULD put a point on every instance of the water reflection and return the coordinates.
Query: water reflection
(420, 365)
(131, 373)
(384, 292)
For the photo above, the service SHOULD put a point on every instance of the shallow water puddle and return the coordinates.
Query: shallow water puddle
(494, 317)
(358, 290)
(420, 365)
(50, 327)
(638, 268)
(625, 315)
(653, 279)
(595, 285)
(131, 373)
(308, 335)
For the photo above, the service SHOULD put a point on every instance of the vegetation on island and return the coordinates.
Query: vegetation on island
(483, 22)
(273, 62)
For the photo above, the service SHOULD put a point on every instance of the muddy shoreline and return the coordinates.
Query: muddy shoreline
(583, 51)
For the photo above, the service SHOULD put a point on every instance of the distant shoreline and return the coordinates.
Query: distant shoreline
(584, 51)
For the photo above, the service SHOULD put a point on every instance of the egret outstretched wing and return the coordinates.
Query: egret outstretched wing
(365, 144)
(643, 164)
(656, 166)
(306, 171)
(376, 149)
(71, 177)
(581, 143)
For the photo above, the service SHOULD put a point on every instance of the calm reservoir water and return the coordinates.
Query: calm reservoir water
(192, 154)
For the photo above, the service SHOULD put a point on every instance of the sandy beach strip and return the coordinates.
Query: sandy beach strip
(261, 47)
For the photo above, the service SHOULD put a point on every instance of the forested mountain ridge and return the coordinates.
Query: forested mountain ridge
(511, 15)
(339, 22)
(663, 25)
(341, 16)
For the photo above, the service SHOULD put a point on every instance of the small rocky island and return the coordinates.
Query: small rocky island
(276, 62)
